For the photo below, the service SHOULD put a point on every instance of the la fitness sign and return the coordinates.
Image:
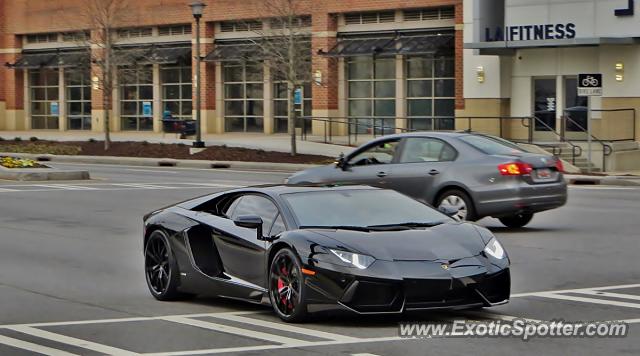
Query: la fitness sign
(542, 32)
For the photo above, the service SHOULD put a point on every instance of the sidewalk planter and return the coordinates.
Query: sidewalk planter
(26, 169)
(16, 163)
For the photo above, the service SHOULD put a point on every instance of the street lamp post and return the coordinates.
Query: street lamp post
(197, 7)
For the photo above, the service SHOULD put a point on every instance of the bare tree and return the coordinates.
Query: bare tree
(285, 45)
(102, 18)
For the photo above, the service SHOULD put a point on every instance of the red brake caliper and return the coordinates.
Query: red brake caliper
(283, 298)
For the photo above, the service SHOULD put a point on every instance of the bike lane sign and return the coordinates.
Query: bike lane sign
(590, 84)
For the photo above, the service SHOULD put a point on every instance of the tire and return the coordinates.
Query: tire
(161, 268)
(459, 199)
(287, 291)
(516, 221)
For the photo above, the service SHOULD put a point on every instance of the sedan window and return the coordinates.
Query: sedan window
(382, 153)
(255, 205)
(492, 146)
(422, 149)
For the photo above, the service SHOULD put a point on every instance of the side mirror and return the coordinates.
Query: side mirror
(341, 162)
(449, 211)
(250, 222)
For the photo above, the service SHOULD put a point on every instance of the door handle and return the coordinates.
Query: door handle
(434, 172)
(382, 174)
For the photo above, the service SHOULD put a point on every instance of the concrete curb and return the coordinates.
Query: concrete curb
(42, 174)
(166, 162)
(620, 181)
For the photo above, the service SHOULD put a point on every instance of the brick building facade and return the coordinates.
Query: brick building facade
(400, 83)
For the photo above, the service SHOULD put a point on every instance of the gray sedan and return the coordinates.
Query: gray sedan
(472, 174)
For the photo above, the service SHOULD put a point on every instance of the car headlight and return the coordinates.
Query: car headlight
(494, 248)
(354, 259)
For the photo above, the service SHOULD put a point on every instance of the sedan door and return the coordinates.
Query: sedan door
(421, 166)
(370, 165)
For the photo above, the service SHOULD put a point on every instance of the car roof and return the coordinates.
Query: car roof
(279, 189)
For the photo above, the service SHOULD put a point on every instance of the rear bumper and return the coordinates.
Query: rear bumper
(511, 199)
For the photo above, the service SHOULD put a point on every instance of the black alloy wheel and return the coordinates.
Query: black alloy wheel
(161, 269)
(516, 221)
(286, 287)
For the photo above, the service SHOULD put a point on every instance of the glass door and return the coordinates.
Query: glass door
(575, 107)
(545, 103)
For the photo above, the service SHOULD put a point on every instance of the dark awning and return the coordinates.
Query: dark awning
(433, 44)
(349, 47)
(234, 52)
(169, 55)
(427, 44)
(74, 59)
(35, 60)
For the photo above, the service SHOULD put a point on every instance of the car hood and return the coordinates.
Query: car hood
(450, 241)
(312, 175)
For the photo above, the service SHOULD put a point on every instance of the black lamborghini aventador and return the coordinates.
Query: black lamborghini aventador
(365, 249)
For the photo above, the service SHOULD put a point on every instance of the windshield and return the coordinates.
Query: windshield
(360, 208)
(492, 146)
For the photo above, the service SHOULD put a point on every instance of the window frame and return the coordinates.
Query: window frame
(394, 160)
(46, 101)
(433, 121)
(445, 144)
(84, 84)
(244, 99)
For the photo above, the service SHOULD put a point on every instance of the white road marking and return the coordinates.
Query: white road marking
(610, 295)
(274, 347)
(533, 294)
(589, 300)
(142, 186)
(600, 187)
(109, 350)
(236, 331)
(364, 354)
(151, 171)
(284, 327)
(24, 345)
(65, 186)
(8, 190)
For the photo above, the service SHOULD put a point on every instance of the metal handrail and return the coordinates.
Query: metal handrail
(576, 150)
(633, 122)
(607, 149)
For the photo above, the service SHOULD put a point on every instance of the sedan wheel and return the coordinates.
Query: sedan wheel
(516, 221)
(161, 269)
(455, 199)
(286, 287)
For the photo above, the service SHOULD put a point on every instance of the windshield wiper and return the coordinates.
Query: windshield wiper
(409, 224)
(337, 227)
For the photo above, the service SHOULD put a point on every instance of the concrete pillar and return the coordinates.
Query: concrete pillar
(219, 98)
(26, 102)
(560, 99)
(207, 79)
(62, 101)
(157, 99)
(401, 97)
(267, 108)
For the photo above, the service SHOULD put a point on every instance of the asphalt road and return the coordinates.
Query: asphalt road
(71, 277)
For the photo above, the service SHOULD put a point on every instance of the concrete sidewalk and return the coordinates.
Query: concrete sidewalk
(276, 142)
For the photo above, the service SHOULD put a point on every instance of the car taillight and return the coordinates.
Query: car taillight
(559, 165)
(515, 169)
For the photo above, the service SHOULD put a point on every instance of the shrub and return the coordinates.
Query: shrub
(33, 139)
(17, 139)
(144, 143)
(92, 140)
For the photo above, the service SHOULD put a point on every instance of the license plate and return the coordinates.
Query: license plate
(544, 173)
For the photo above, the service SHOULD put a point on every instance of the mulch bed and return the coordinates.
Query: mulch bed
(160, 150)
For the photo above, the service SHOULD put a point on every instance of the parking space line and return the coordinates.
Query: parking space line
(610, 295)
(577, 290)
(589, 300)
(24, 345)
(8, 190)
(273, 347)
(236, 331)
(285, 327)
(65, 186)
(142, 186)
(109, 350)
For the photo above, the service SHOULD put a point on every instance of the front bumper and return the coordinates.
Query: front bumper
(413, 285)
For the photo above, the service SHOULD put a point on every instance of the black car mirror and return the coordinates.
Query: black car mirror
(449, 211)
(250, 222)
(341, 162)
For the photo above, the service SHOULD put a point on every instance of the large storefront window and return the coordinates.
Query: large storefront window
(243, 97)
(371, 94)
(78, 97)
(136, 88)
(44, 85)
(430, 93)
(177, 91)
(280, 106)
